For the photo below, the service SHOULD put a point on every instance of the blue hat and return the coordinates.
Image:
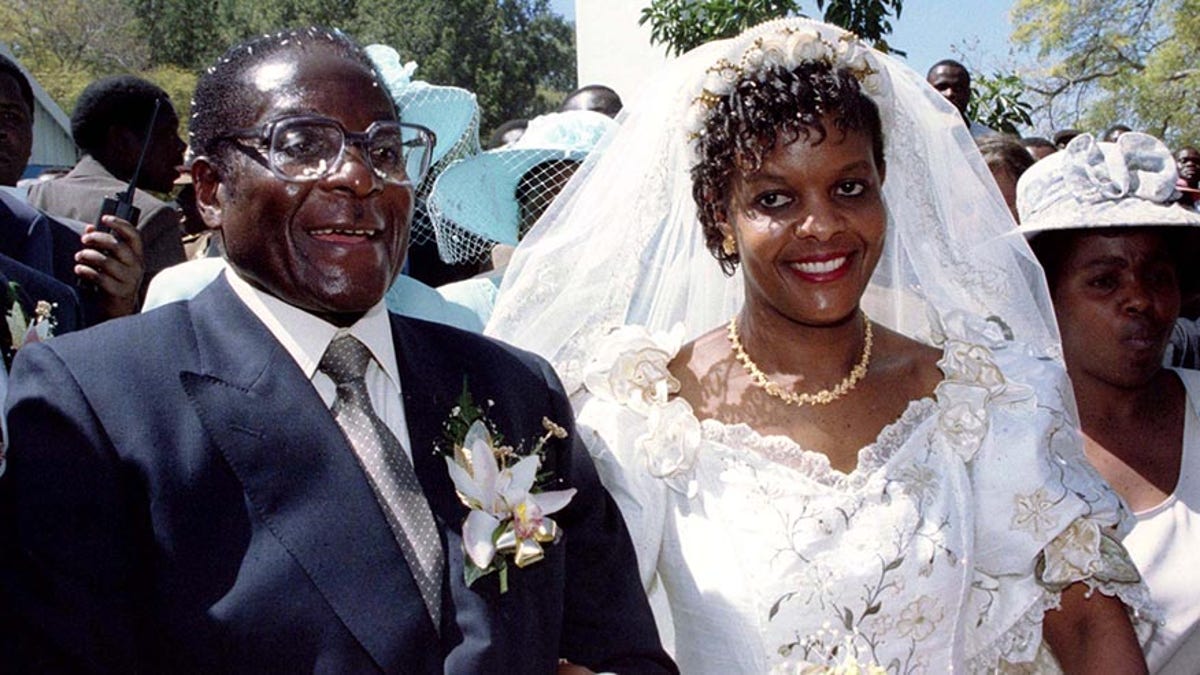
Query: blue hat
(478, 194)
(452, 113)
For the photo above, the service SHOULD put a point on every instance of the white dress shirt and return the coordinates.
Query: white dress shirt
(306, 337)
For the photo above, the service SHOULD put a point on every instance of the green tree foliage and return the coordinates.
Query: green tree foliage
(68, 43)
(516, 55)
(999, 102)
(681, 25)
(1115, 61)
(501, 50)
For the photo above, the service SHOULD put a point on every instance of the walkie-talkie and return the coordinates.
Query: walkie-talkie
(121, 204)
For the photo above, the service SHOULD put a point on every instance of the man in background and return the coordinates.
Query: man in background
(110, 125)
(1187, 161)
(951, 79)
(595, 97)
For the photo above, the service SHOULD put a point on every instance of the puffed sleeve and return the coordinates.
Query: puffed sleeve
(1044, 519)
(610, 432)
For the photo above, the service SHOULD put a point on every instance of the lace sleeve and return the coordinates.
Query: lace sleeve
(609, 431)
(1045, 519)
(620, 411)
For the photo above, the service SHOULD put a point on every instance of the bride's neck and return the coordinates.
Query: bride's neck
(780, 345)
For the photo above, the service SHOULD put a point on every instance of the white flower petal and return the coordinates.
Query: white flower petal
(523, 473)
(465, 484)
(477, 538)
(552, 501)
(478, 442)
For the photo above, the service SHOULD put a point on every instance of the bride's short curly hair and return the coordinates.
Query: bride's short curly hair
(763, 112)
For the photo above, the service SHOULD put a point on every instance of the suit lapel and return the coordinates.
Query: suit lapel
(431, 387)
(302, 478)
(430, 391)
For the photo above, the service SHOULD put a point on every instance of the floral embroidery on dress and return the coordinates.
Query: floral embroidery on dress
(863, 572)
(1034, 513)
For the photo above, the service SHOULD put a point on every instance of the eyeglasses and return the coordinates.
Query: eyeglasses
(307, 148)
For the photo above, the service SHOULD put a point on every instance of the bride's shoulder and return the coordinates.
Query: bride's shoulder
(903, 359)
(698, 357)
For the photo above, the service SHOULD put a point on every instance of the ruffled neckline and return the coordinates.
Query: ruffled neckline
(784, 452)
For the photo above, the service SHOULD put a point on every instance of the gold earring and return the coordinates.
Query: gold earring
(729, 246)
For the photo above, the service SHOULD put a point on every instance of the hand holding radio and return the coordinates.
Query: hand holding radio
(111, 262)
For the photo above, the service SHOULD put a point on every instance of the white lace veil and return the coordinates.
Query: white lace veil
(623, 244)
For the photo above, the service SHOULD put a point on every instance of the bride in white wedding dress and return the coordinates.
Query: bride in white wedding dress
(866, 454)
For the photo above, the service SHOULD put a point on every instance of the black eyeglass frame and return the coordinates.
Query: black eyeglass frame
(265, 132)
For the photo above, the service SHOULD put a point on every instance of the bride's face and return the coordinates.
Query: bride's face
(810, 225)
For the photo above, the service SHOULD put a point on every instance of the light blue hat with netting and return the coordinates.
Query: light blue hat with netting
(478, 194)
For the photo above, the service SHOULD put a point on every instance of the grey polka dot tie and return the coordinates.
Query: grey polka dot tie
(390, 472)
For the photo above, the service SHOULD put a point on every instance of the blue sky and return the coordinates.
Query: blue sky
(927, 29)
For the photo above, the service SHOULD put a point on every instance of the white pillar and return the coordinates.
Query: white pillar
(612, 49)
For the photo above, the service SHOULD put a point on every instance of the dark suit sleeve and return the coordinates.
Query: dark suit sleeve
(162, 241)
(71, 573)
(607, 622)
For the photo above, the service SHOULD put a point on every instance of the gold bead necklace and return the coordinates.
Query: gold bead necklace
(823, 397)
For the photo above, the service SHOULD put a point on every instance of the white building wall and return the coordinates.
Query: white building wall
(612, 49)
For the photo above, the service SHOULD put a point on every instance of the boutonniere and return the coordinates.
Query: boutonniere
(501, 485)
(23, 329)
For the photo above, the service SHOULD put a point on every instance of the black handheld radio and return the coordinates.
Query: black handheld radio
(121, 204)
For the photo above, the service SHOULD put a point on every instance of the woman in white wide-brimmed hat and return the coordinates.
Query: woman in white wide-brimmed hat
(1103, 218)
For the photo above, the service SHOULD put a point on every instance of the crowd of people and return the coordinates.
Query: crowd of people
(788, 367)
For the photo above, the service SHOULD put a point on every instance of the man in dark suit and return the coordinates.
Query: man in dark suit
(190, 489)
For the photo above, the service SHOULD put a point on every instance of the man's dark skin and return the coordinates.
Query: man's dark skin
(16, 130)
(165, 153)
(1188, 161)
(595, 97)
(953, 83)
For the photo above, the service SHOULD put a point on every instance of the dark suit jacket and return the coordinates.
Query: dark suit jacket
(35, 286)
(184, 501)
(46, 245)
(80, 193)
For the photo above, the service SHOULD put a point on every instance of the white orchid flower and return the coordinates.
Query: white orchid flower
(502, 506)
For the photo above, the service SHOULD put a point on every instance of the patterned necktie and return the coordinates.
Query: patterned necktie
(390, 471)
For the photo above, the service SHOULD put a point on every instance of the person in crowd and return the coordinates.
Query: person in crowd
(1039, 147)
(1114, 132)
(847, 463)
(1100, 218)
(507, 133)
(951, 79)
(1187, 161)
(111, 125)
(488, 202)
(1063, 136)
(16, 121)
(594, 97)
(108, 264)
(256, 480)
(1007, 158)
